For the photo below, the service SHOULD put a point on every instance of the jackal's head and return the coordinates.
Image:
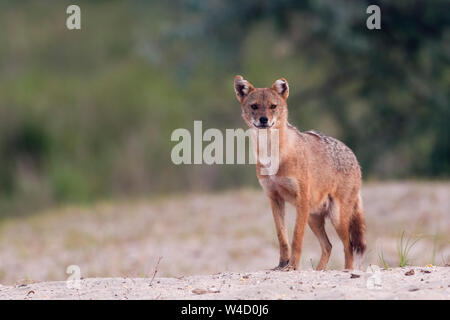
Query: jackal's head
(262, 107)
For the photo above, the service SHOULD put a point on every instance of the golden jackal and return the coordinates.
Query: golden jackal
(319, 175)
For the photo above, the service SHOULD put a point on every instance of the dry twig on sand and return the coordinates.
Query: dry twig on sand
(155, 270)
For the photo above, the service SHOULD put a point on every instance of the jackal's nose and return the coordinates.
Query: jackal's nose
(263, 120)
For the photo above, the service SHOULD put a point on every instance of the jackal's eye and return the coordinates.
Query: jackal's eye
(254, 106)
(273, 106)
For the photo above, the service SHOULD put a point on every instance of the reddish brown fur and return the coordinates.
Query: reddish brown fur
(318, 175)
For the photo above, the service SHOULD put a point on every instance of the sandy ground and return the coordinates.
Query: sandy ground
(204, 234)
(398, 283)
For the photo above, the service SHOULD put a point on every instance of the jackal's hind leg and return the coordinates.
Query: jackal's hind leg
(317, 224)
(342, 229)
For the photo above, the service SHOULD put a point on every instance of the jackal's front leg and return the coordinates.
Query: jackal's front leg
(299, 231)
(279, 216)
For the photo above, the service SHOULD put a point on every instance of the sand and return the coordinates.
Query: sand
(397, 283)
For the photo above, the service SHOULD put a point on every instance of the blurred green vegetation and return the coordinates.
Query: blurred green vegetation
(88, 114)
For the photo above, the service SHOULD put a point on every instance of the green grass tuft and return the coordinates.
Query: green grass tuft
(382, 259)
(404, 247)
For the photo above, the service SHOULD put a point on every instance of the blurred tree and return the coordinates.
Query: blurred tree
(88, 114)
(387, 89)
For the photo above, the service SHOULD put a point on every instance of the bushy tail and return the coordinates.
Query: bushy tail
(358, 229)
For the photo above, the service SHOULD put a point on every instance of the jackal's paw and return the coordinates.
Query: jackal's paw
(289, 267)
(281, 265)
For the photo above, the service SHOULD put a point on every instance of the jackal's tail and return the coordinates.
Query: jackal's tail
(358, 228)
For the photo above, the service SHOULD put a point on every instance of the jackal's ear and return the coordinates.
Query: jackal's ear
(282, 87)
(242, 88)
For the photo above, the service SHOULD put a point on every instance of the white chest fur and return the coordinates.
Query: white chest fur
(286, 187)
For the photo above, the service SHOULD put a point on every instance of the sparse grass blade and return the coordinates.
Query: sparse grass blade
(382, 259)
(404, 247)
(435, 243)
